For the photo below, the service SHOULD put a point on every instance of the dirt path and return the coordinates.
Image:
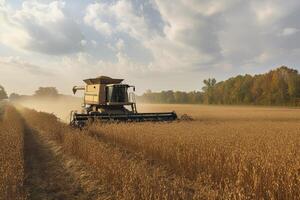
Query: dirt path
(47, 178)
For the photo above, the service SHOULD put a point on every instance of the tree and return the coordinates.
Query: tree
(171, 97)
(293, 83)
(46, 92)
(180, 97)
(277, 87)
(209, 89)
(168, 96)
(14, 96)
(3, 94)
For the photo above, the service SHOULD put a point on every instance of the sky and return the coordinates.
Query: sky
(152, 44)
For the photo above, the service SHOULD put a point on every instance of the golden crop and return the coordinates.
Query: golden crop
(122, 175)
(245, 160)
(225, 153)
(11, 155)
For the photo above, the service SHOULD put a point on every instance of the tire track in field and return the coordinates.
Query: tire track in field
(46, 177)
(83, 173)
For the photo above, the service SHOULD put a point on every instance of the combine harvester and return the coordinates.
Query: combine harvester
(107, 99)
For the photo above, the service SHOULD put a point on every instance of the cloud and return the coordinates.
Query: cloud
(43, 28)
(199, 35)
(208, 7)
(289, 31)
(93, 17)
(266, 11)
(190, 34)
(187, 39)
(2, 2)
(116, 17)
(88, 66)
(21, 65)
(153, 38)
(120, 45)
(83, 43)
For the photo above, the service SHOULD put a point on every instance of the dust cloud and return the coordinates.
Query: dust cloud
(60, 106)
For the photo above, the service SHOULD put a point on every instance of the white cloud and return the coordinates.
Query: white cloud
(197, 34)
(190, 36)
(94, 43)
(22, 65)
(181, 45)
(83, 43)
(93, 17)
(21, 76)
(289, 31)
(209, 7)
(120, 44)
(84, 66)
(129, 21)
(166, 38)
(266, 12)
(263, 57)
(39, 27)
(116, 17)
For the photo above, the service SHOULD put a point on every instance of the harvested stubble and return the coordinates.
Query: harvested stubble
(244, 160)
(11, 155)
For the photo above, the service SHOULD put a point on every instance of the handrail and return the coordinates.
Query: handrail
(132, 97)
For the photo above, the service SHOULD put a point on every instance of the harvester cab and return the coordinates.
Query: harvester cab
(107, 99)
(107, 95)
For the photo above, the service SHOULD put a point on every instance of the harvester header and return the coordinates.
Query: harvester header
(108, 99)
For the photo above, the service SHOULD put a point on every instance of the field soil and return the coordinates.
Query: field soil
(46, 176)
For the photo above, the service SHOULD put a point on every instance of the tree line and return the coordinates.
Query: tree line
(41, 92)
(277, 87)
(171, 97)
(3, 94)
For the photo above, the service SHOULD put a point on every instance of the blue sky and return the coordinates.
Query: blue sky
(153, 44)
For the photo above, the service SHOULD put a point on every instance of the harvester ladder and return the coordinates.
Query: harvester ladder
(133, 101)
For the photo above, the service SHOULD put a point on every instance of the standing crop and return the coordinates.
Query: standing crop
(11, 155)
(241, 160)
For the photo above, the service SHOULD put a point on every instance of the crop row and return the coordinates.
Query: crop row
(209, 160)
(242, 160)
(123, 174)
(12, 130)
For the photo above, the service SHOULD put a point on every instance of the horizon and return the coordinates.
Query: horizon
(157, 91)
(153, 44)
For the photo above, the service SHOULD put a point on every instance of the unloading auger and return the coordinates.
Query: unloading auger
(107, 99)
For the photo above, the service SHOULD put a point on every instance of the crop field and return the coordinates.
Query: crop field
(225, 152)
